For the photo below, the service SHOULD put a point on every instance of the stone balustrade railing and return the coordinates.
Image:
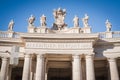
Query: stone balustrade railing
(115, 34)
(3, 34)
(8, 34)
(102, 35)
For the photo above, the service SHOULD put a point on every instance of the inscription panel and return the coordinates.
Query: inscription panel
(58, 45)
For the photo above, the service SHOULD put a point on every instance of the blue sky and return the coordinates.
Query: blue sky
(98, 11)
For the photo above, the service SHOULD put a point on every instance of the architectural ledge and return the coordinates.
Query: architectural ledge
(110, 40)
(112, 54)
(66, 36)
(10, 40)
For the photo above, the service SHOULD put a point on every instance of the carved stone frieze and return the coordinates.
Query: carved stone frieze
(59, 40)
(59, 45)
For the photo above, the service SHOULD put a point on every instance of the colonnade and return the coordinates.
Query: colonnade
(76, 68)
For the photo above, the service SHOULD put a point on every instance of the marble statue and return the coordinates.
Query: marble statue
(76, 21)
(31, 20)
(108, 25)
(85, 20)
(59, 16)
(43, 20)
(10, 26)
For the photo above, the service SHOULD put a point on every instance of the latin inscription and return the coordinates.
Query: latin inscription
(59, 45)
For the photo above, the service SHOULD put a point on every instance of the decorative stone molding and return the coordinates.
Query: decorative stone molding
(60, 41)
(59, 45)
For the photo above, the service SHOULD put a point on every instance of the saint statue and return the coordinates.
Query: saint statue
(76, 21)
(59, 16)
(108, 25)
(85, 20)
(31, 20)
(43, 20)
(10, 26)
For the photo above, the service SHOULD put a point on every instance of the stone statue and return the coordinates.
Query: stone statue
(108, 26)
(10, 26)
(85, 20)
(76, 21)
(59, 16)
(31, 20)
(43, 20)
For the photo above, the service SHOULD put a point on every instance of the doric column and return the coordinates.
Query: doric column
(90, 74)
(39, 67)
(113, 69)
(76, 68)
(9, 72)
(26, 68)
(46, 69)
(4, 69)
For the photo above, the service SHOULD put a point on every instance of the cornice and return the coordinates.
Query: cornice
(109, 40)
(10, 40)
(59, 40)
(60, 36)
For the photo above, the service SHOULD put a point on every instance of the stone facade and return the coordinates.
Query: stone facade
(59, 53)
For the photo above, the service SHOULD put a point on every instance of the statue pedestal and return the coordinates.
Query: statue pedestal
(31, 29)
(75, 30)
(41, 30)
(109, 35)
(10, 34)
(86, 30)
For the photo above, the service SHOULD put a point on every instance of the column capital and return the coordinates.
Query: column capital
(89, 56)
(111, 59)
(4, 58)
(27, 55)
(40, 56)
(76, 56)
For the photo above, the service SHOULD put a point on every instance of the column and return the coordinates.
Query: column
(46, 69)
(83, 70)
(4, 69)
(113, 69)
(9, 72)
(90, 74)
(39, 67)
(26, 68)
(76, 68)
